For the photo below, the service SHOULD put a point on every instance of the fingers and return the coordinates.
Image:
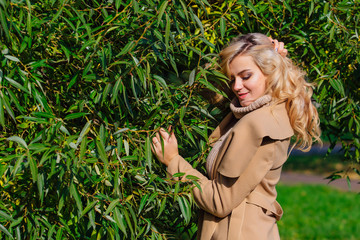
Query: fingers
(164, 134)
(155, 143)
(172, 134)
(282, 50)
(276, 45)
(279, 47)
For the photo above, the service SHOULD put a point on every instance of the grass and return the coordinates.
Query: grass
(318, 212)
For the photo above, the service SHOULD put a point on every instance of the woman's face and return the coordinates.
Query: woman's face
(247, 80)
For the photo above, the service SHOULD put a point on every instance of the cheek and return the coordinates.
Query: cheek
(263, 83)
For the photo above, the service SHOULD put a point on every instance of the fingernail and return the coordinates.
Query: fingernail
(276, 49)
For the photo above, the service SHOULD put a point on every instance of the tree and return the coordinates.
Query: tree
(84, 85)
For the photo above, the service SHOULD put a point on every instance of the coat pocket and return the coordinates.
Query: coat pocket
(269, 208)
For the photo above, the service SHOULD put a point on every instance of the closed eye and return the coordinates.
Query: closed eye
(246, 77)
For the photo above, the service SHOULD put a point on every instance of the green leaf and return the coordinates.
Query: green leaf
(162, 207)
(75, 115)
(59, 234)
(161, 11)
(127, 103)
(92, 218)
(222, 27)
(197, 20)
(185, 208)
(2, 119)
(311, 9)
(128, 221)
(18, 140)
(3, 229)
(179, 174)
(313, 49)
(161, 81)
(288, 7)
(143, 202)
(117, 4)
(40, 185)
(111, 206)
(167, 32)
(102, 153)
(247, 20)
(16, 222)
(332, 30)
(16, 84)
(72, 82)
(51, 231)
(75, 194)
(120, 221)
(89, 207)
(12, 58)
(128, 47)
(192, 77)
(29, 24)
(6, 216)
(8, 108)
(83, 132)
(136, 6)
(4, 22)
(43, 115)
(338, 86)
(33, 167)
(148, 153)
(207, 42)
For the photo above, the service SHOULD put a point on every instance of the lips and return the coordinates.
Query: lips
(242, 95)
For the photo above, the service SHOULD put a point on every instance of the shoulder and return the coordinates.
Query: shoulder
(269, 121)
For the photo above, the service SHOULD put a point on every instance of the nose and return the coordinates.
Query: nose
(237, 85)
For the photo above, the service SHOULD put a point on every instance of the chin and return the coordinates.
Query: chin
(244, 103)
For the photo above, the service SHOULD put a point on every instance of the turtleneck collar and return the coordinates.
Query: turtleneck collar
(239, 111)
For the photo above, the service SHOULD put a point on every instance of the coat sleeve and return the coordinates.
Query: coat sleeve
(246, 153)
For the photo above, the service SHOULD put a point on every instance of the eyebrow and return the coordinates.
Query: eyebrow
(241, 72)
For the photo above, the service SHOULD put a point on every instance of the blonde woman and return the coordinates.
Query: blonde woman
(272, 103)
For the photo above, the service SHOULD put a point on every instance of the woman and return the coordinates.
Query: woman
(272, 103)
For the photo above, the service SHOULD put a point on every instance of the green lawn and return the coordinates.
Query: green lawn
(318, 212)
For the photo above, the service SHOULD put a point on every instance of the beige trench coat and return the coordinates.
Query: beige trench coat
(239, 199)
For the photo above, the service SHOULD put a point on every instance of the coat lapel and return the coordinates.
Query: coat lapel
(221, 128)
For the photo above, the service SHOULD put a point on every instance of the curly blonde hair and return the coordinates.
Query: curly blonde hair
(285, 83)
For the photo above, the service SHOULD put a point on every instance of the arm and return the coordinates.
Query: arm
(242, 153)
(221, 195)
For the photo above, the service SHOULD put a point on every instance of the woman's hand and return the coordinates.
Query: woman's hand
(279, 47)
(170, 146)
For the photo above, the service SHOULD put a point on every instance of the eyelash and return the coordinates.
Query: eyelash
(232, 80)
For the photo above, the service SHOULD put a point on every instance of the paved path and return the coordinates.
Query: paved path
(298, 178)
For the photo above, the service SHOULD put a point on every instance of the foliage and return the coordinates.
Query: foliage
(84, 85)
